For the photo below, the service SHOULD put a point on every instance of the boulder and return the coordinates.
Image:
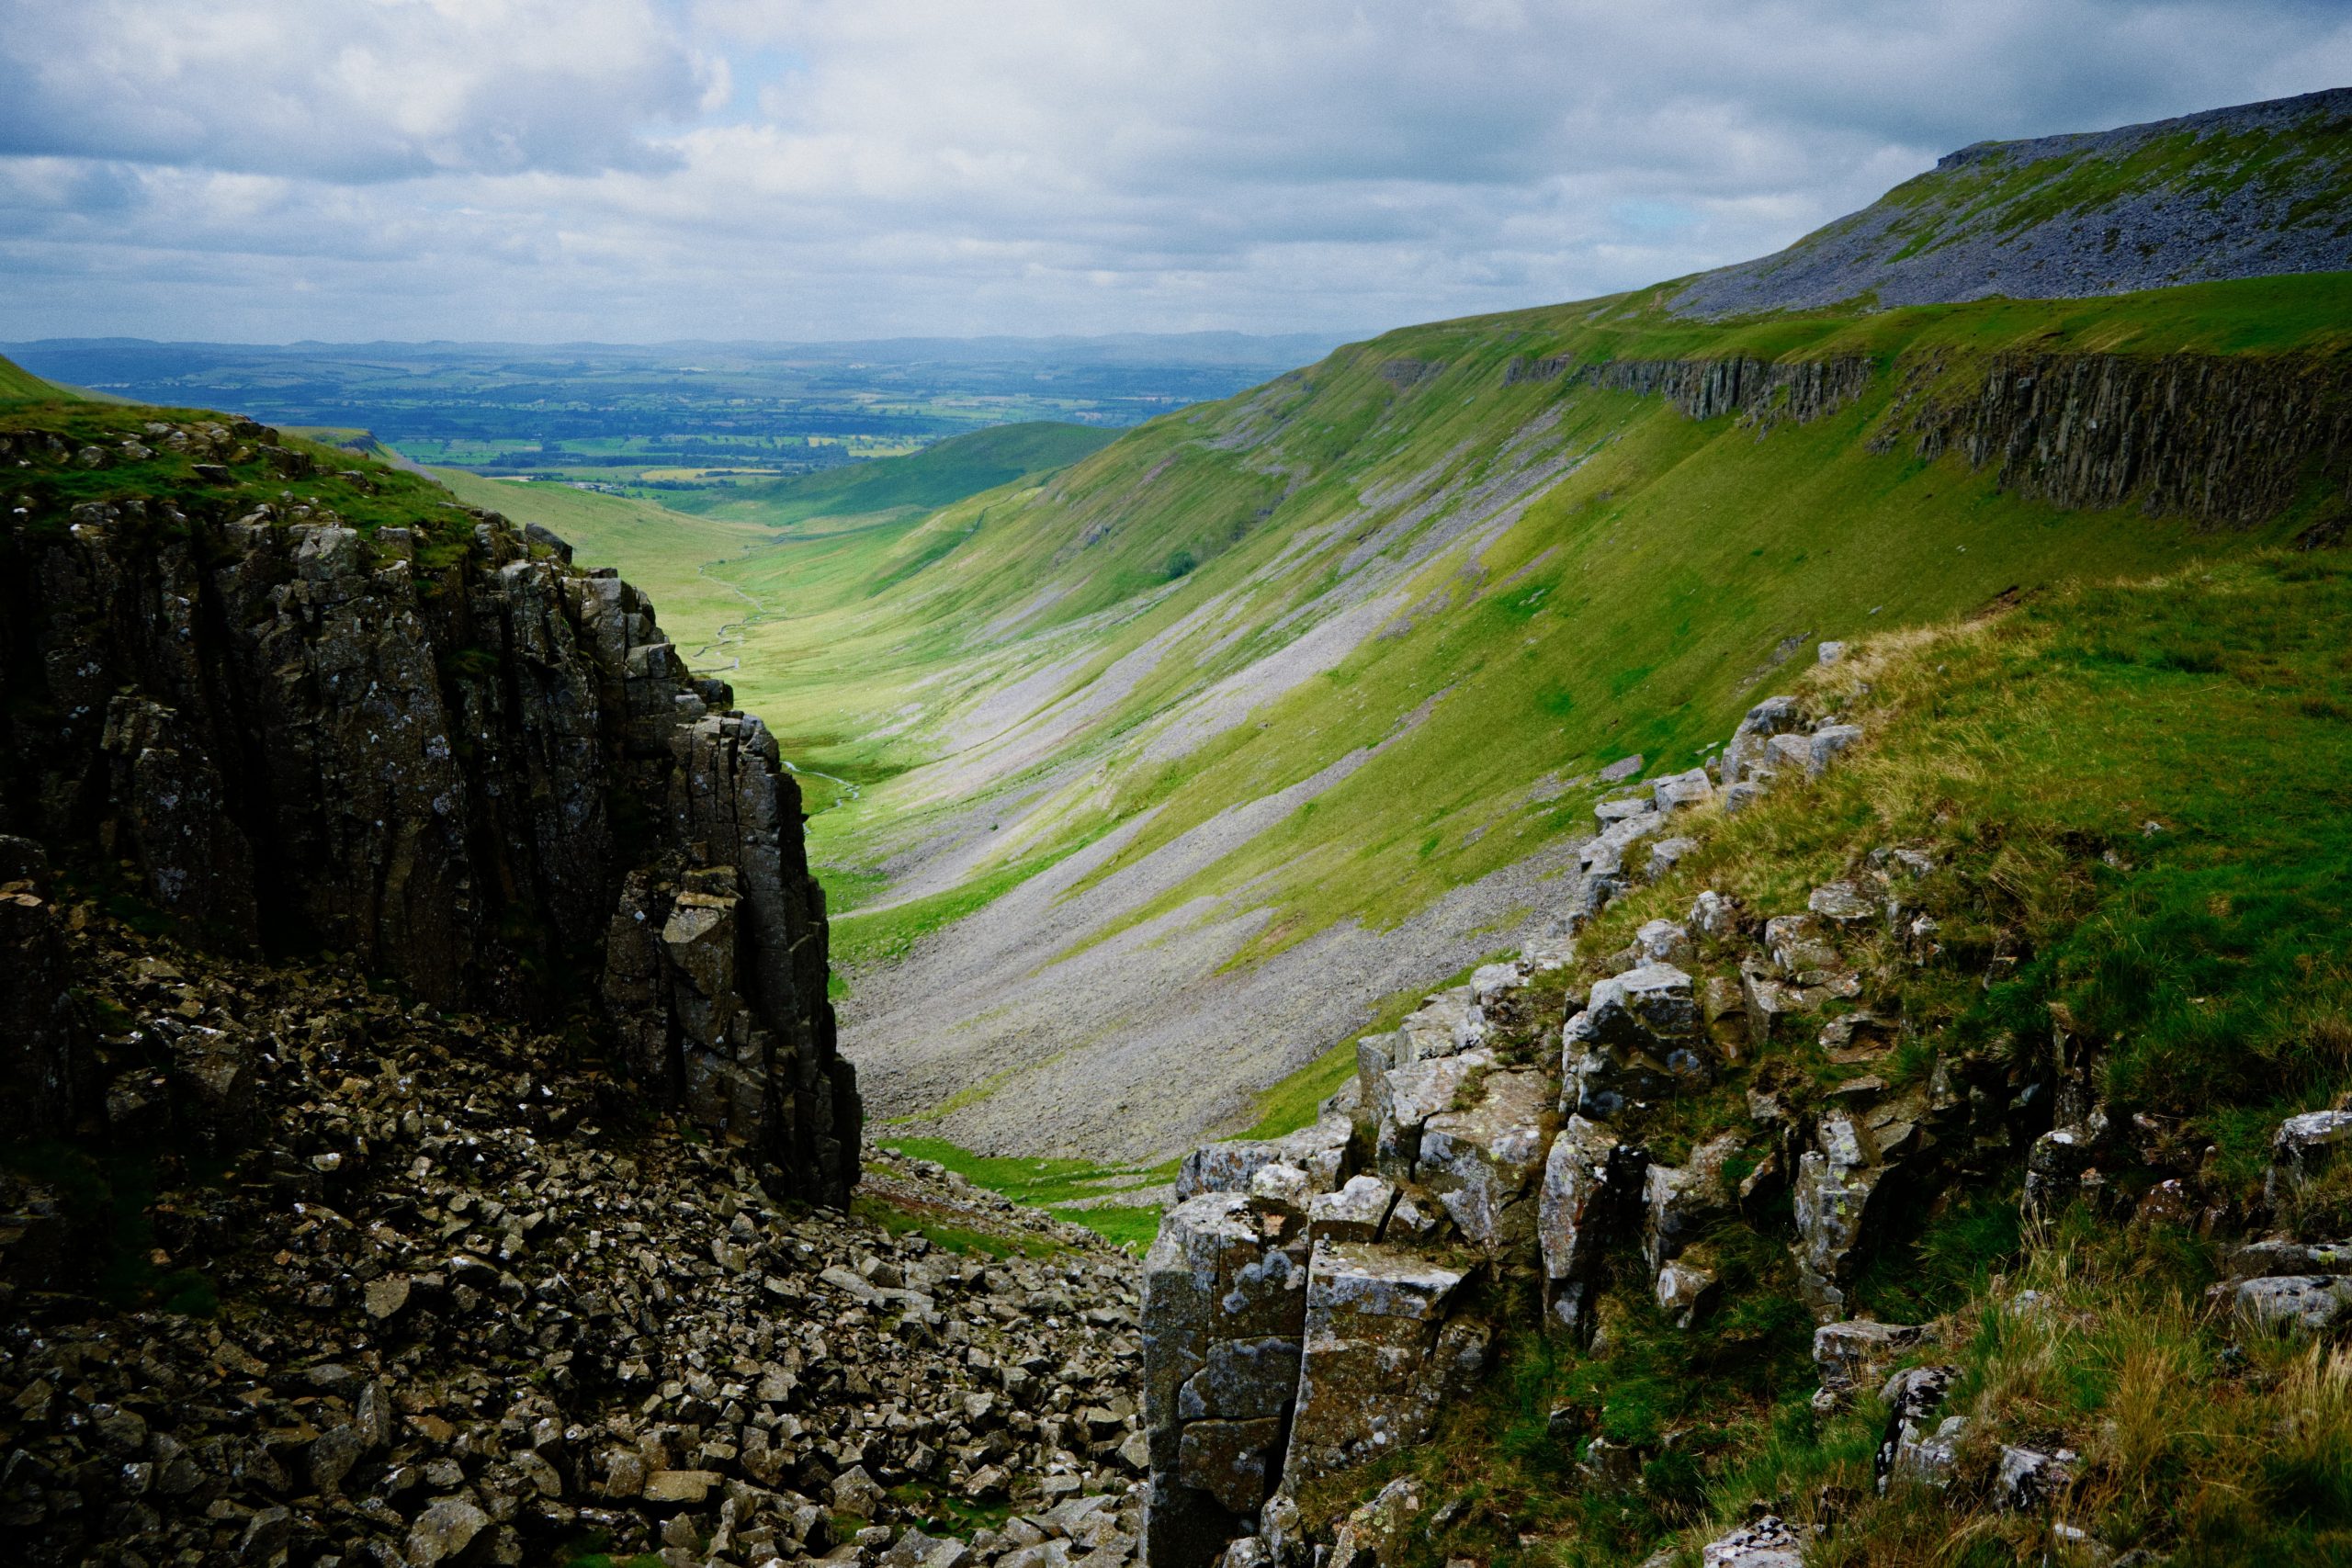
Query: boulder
(1591, 1180)
(1319, 1152)
(1637, 1038)
(1769, 1542)
(1774, 716)
(1685, 1287)
(1836, 1180)
(1408, 1097)
(1678, 1202)
(2030, 1481)
(1378, 1358)
(1679, 792)
(1224, 1309)
(1857, 1353)
(2302, 1302)
(1378, 1533)
(2302, 1147)
(1481, 1163)
(1355, 1212)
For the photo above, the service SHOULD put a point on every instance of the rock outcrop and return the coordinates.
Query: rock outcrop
(436, 748)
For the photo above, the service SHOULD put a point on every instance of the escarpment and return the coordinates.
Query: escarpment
(2228, 439)
(433, 746)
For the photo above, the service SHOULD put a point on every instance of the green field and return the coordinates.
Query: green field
(1635, 602)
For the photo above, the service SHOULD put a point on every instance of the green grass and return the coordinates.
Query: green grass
(960, 1240)
(20, 385)
(1636, 604)
(1053, 1185)
(2025, 754)
(941, 473)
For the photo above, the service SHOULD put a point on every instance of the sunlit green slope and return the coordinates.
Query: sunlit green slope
(1171, 738)
(18, 384)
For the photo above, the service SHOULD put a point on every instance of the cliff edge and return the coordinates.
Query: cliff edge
(281, 706)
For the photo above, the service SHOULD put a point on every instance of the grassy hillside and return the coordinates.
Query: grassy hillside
(1445, 593)
(2251, 190)
(19, 385)
(946, 471)
(2132, 797)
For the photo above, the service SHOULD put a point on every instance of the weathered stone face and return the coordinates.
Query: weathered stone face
(1225, 1308)
(1637, 1038)
(470, 776)
(1372, 1373)
(1589, 1182)
(1482, 1163)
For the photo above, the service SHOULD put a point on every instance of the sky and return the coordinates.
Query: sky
(798, 170)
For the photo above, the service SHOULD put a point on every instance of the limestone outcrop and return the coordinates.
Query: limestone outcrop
(440, 749)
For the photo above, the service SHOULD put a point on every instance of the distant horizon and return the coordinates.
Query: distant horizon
(101, 339)
(650, 172)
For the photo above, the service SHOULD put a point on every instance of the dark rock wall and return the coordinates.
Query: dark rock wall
(477, 769)
(2227, 439)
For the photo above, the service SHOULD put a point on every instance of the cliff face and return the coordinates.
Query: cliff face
(438, 748)
(2231, 440)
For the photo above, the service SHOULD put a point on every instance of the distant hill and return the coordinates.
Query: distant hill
(954, 468)
(2252, 191)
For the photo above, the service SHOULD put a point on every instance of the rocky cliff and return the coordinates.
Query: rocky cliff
(284, 708)
(2250, 191)
(2226, 439)
(1678, 1144)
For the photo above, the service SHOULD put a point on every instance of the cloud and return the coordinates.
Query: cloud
(643, 169)
(346, 90)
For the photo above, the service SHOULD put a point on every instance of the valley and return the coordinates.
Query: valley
(1699, 927)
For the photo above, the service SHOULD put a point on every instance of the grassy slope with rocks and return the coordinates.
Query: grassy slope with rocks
(2249, 190)
(1279, 705)
(2132, 797)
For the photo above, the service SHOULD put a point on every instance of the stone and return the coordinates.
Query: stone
(2304, 1146)
(1378, 1534)
(1355, 1212)
(1233, 1461)
(1319, 1152)
(1831, 651)
(1663, 941)
(1411, 1095)
(1767, 1542)
(1481, 1163)
(913, 1549)
(1857, 1354)
(694, 1486)
(1621, 770)
(1686, 1287)
(1840, 903)
(2030, 1481)
(1637, 1038)
(2305, 1303)
(1371, 1378)
(1914, 1448)
(1608, 813)
(387, 1296)
(1680, 792)
(443, 1531)
(1773, 717)
(1713, 915)
(1589, 1182)
(1835, 1183)
(1679, 1203)
(1667, 853)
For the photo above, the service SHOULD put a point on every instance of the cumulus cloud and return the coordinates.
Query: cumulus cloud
(635, 169)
